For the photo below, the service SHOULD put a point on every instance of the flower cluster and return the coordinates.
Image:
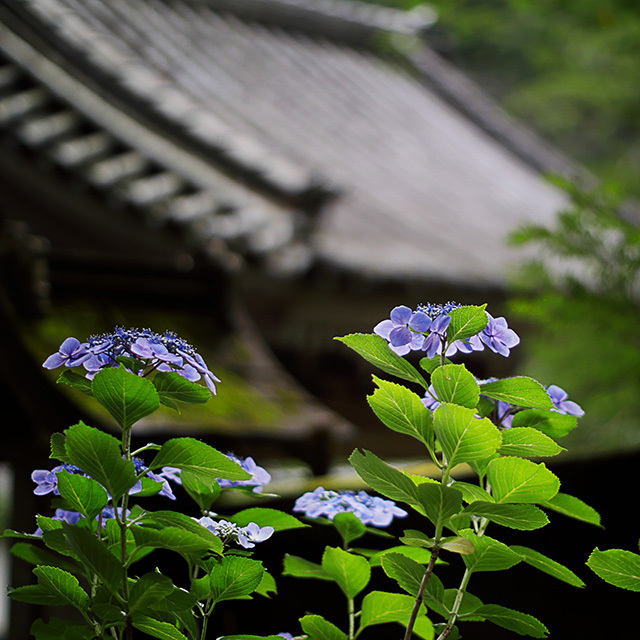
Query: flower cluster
(504, 412)
(259, 475)
(230, 532)
(47, 481)
(425, 329)
(368, 509)
(157, 351)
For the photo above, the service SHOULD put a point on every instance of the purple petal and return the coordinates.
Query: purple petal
(69, 346)
(400, 336)
(54, 361)
(420, 322)
(384, 328)
(401, 314)
(441, 324)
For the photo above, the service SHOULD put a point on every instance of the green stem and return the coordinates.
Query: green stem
(453, 616)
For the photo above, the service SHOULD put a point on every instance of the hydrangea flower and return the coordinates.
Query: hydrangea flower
(230, 532)
(368, 509)
(430, 399)
(260, 476)
(404, 329)
(73, 517)
(559, 397)
(498, 337)
(161, 351)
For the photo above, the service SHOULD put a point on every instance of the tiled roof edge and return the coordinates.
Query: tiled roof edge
(348, 20)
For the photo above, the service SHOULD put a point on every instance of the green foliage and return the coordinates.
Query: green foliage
(618, 567)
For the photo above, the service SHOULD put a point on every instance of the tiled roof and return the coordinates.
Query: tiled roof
(427, 187)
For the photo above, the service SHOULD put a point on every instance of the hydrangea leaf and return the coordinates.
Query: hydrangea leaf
(439, 502)
(402, 410)
(172, 388)
(519, 391)
(524, 517)
(57, 629)
(376, 350)
(472, 492)
(81, 494)
(421, 556)
(551, 423)
(264, 517)
(518, 480)
(379, 607)
(36, 555)
(58, 447)
(409, 574)
(454, 384)
(463, 436)
(203, 490)
(468, 607)
(172, 519)
(202, 460)
(99, 455)
(489, 554)
(64, 585)
(618, 567)
(548, 566)
(431, 364)
(267, 585)
(148, 590)
(76, 381)
(36, 594)
(573, 507)
(466, 322)
(149, 487)
(234, 577)
(349, 526)
(126, 396)
(414, 538)
(157, 628)
(384, 479)
(94, 554)
(303, 568)
(317, 628)
(528, 442)
(350, 572)
(456, 544)
(521, 623)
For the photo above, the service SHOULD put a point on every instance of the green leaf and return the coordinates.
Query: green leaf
(203, 490)
(157, 628)
(36, 594)
(406, 572)
(402, 410)
(302, 568)
(439, 502)
(351, 572)
(58, 447)
(376, 350)
(94, 554)
(518, 480)
(618, 567)
(524, 517)
(76, 381)
(463, 436)
(573, 507)
(551, 423)
(455, 385)
(64, 585)
(57, 629)
(519, 391)
(172, 388)
(458, 545)
(125, 395)
(349, 527)
(431, 364)
(148, 590)
(415, 538)
(263, 517)
(317, 628)
(468, 607)
(472, 492)
(385, 479)
(521, 623)
(489, 554)
(547, 565)
(81, 494)
(379, 607)
(99, 455)
(36, 555)
(202, 460)
(162, 519)
(528, 442)
(415, 553)
(234, 577)
(466, 322)
(267, 585)
(174, 539)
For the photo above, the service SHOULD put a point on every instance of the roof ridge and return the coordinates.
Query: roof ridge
(350, 20)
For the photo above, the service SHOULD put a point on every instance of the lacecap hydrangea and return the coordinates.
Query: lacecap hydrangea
(156, 351)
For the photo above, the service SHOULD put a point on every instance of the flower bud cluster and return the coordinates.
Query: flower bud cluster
(425, 329)
(230, 532)
(368, 509)
(157, 351)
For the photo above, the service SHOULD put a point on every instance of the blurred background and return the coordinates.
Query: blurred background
(263, 175)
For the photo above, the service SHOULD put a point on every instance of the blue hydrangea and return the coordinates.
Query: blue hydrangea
(156, 351)
(562, 404)
(370, 510)
(404, 330)
(230, 532)
(73, 517)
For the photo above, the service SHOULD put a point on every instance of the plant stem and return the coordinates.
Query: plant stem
(352, 618)
(453, 616)
(420, 597)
